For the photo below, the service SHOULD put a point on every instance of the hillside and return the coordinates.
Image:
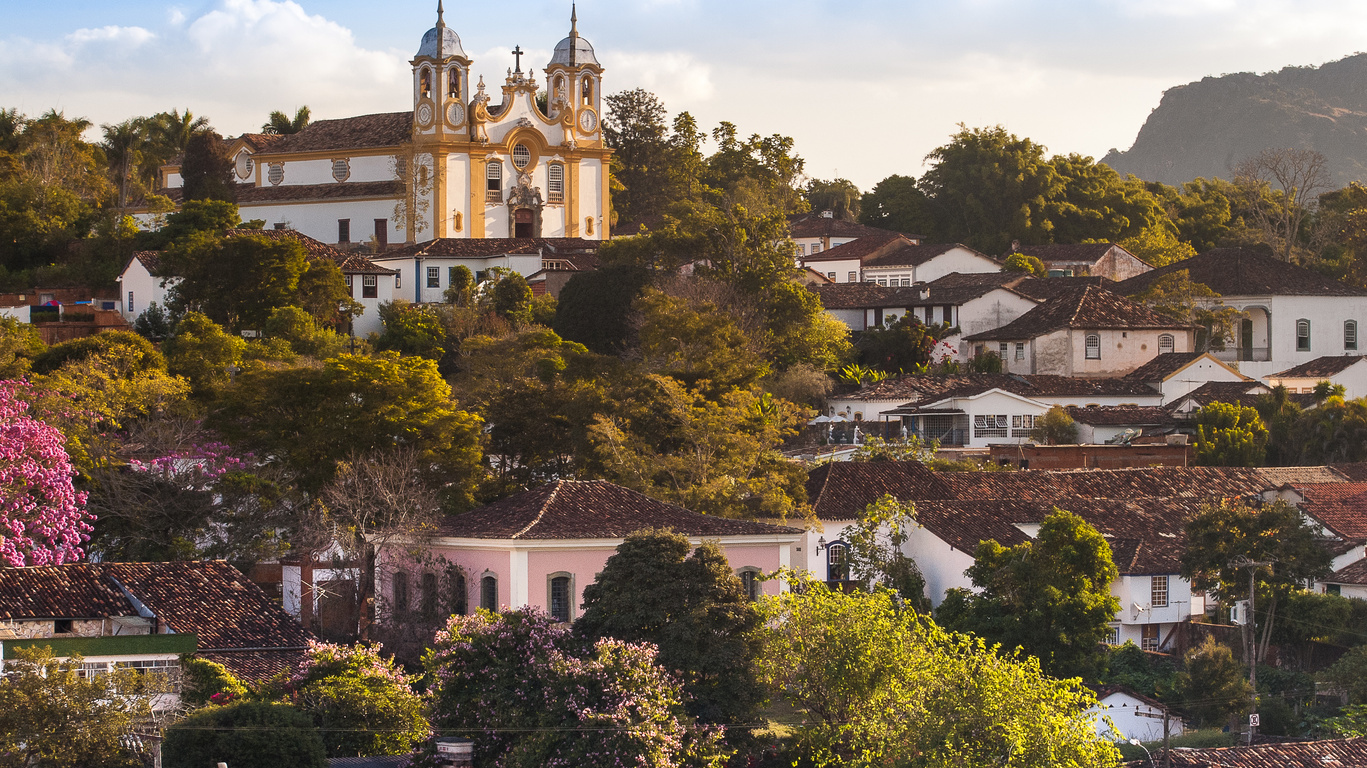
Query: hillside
(1204, 128)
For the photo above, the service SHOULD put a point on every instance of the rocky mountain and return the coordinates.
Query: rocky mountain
(1205, 128)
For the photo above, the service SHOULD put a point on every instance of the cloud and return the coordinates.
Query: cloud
(132, 36)
(676, 77)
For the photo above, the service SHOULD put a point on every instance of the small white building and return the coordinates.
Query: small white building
(1179, 373)
(140, 287)
(424, 270)
(911, 262)
(1134, 715)
(1348, 371)
(816, 232)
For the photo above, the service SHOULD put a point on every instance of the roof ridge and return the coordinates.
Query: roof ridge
(542, 512)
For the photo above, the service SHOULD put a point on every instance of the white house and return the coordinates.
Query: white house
(844, 263)
(1349, 371)
(1087, 332)
(1106, 260)
(1099, 425)
(971, 303)
(425, 269)
(911, 262)
(819, 231)
(456, 164)
(1292, 315)
(1134, 715)
(1179, 373)
(139, 288)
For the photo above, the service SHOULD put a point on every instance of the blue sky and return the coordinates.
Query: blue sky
(865, 87)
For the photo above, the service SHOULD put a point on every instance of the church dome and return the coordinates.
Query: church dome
(440, 42)
(574, 51)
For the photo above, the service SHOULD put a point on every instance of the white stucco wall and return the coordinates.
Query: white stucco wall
(319, 220)
(145, 289)
(1133, 719)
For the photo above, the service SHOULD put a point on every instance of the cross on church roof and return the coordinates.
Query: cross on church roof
(517, 53)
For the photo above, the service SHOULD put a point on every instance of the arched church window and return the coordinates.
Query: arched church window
(453, 78)
(494, 176)
(555, 182)
(521, 156)
(425, 82)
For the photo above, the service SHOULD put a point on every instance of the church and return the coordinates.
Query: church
(455, 166)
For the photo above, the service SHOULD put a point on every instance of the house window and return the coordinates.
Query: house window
(344, 230)
(816, 248)
(837, 562)
(560, 598)
(347, 278)
(854, 277)
(381, 233)
(947, 312)
(457, 603)
(400, 592)
(1113, 634)
(1001, 349)
(1158, 591)
(63, 626)
(1020, 350)
(130, 302)
(750, 583)
(1022, 426)
(370, 287)
(1166, 343)
(555, 182)
(1149, 638)
(1093, 345)
(493, 182)
(429, 596)
(434, 277)
(990, 425)
(1302, 335)
(830, 276)
(1350, 334)
(398, 279)
(488, 592)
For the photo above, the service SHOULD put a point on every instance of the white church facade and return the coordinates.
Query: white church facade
(454, 166)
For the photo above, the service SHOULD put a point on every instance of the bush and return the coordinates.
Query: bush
(1055, 427)
(142, 354)
(247, 735)
(202, 680)
(1214, 684)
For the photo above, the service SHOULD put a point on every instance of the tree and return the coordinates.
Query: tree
(511, 299)
(461, 291)
(875, 555)
(900, 346)
(51, 714)
(531, 694)
(799, 331)
(885, 686)
(1096, 204)
(198, 216)
(236, 281)
(1349, 675)
(310, 418)
(412, 329)
(1049, 596)
(154, 324)
(302, 332)
(1336, 431)
(1229, 435)
(207, 171)
(1213, 685)
(283, 125)
(1176, 296)
(1055, 427)
(1024, 263)
(839, 196)
(19, 345)
(634, 126)
(693, 339)
(361, 704)
(202, 353)
(123, 147)
(1224, 537)
(1282, 185)
(42, 520)
(247, 734)
(1158, 245)
(897, 203)
(204, 682)
(693, 608)
(595, 307)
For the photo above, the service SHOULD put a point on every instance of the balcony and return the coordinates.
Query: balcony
(493, 196)
(1243, 354)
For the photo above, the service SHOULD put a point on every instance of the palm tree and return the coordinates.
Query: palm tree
(281, 124)
(123, 146)
(173, 129)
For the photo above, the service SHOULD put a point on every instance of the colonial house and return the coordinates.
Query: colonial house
(844, 263)
(1236, 392)
(971, 302)
(911, 262)
(454, 165)
(1178, 373)
(541, 548)
(1133, 715)
(1348, 371)
(1089, 332)
(147, 615)
(425, 269)
(1119, 423)
(1106, 260)
(144, 282)
(1291, 315)
(819, 231)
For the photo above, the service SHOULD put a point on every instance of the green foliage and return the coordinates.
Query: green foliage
(237, 281)
(881, 685)
(1158, 245)
(1351, 722)
(595, 307)
(1213, 684)
(693, 607)
(203, 681)
(839, 196)
(697, 341)
(304, 335)
(199, 217)
(901, 345)
(244, 735)
(1140, 672)
(282, 124)
(1229, 435)
(138, 352)
(1336, 431)
(461, 291)
(1021, 262)
(1049, 596)
(1055, 427)
(1349, 674)
(362, 704)
(412, 329)
(324, 294)
(53, 716)
(875, 555)
(154, 324)
(511, 299)
(20, 344)
(899, 204)
(207, 171)
(986, 362)
(532, 694)
(202, 353)
(799, 331)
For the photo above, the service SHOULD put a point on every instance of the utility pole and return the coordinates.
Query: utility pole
(1167, 748)
(1251, 632)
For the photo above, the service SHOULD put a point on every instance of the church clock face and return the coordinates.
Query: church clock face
(424, 114)
(588, 121)
(455, 114)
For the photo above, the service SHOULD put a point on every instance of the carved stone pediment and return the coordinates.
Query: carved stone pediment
(524, 195)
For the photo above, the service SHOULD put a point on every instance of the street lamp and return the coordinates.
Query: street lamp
(1136, 743)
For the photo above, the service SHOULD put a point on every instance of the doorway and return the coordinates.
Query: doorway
(522, 223)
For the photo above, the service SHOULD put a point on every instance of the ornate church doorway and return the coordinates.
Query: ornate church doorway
(522, 223)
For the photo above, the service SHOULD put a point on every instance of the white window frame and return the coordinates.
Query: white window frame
(1166, 343)
(555, 183)
(434, 277)
(1303, 324)
(1092, 346)
(1350, 335)
(1158, 591)
(1020, 350)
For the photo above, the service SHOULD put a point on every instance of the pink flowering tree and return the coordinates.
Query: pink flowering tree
(42, 517)
(531, 693)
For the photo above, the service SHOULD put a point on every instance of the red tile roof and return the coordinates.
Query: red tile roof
(1163, 366)
(1121, 415)
(591, 509)
(924, 389)
(1357, 471)
(910, 255)
(805, 225)
(862, 249)
(1241, 392)
(842, 490)
(1088, 309)
(1352, 573)
(350, 263)
(1045, 288)
(489, 247)
(388, 129)
(1321, 367)
(863, 295)
(1330, 753)
(1069, 252)
(60, 592)
(1342, 507)
(248, 194)
(1241, 272)
(257, 666)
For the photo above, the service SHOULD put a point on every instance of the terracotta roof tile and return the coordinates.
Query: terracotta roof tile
(1161, 367)
(910, 255)
(488, 247)
(1330, 753)
(842, 490)
(1279, 476)
(60, 592)
(591, 509)
(862, 249)
(1321, 367)
(1136, 482)
(259, 142)
(1087, 309)
(149, 259)
(1357, 471)
(388, 129)
(1045, 288)
(256, 667)
(1342, 507)
(1121, 415)
(351, 263)
(863, 295)
(1242, 272)
(914, 389)
(1241, 392)
(815, 225)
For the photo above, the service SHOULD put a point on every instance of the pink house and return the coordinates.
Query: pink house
(542, 547)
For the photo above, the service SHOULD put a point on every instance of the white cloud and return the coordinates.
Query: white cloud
(175, 16)
(676, 77)
(132, 36)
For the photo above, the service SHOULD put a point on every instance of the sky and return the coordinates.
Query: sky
(866, 88)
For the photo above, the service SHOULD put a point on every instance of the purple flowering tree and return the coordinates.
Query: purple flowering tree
(42, 519)
(531, 693)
